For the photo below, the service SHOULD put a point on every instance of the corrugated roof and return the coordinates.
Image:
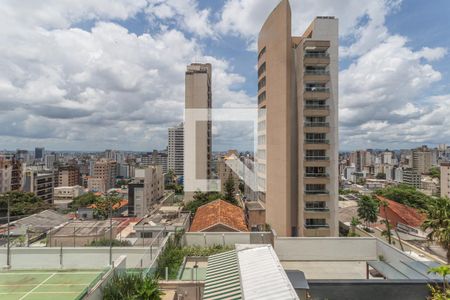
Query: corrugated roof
(262, 275)
(222, 277)
(219, 212)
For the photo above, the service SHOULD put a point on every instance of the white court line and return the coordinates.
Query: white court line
(19, 293)
(40, 284)
(2, 285)
(49, 273)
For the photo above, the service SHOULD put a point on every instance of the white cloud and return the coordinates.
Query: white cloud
(184, 13)
(70, 88)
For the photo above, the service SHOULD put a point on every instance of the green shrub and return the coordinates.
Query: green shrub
(106, 243)
(132, 286)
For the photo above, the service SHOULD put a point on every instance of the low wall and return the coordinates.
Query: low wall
(372, 289)
(96, 293)
(327, 248)
(75, 258)
(205, 239)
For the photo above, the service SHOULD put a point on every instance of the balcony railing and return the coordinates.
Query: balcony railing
(309, 158)
(314, 141)
(316, 226)
(316, 192)
(317, 89)
(324, 107)
(317, 72)
(316, 174)
(317, 124)
(317, 54)
(319, 209)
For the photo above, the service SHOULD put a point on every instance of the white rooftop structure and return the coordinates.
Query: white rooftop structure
(262, 275)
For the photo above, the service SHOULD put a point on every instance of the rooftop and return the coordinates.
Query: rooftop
(409, 215)
(219, 212)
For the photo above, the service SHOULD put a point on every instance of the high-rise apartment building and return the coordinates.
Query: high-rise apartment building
(445, 179)
(106, 170)
(68, 176)
(225, 171)
(422, 159)
(197, 128)
(39, 182)
(5, 174)
(298, 152)
(145, 190)
(39, 153)
(175, 150)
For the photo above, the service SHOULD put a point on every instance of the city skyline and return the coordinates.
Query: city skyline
(75, 100)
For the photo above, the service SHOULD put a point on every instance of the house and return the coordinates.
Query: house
(219, 216)
(400, 215)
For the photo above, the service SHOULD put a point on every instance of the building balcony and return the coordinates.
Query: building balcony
(316, 158)
(315, 175)
(317, 226)
(309, 141)
(316, 197)
(316, 192)
(317, 124)
(316, 76)
(316, 111)
(317, 89)
(317, 92)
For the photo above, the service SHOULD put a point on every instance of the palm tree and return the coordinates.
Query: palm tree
(438, 222)
(443, 271)
(353, 224)
(387, 232)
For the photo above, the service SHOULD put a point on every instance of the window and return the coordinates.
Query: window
(262, 97)
(262, 69)
(261, 53)
(315, 153)
(315, 187)
(315, 205)
(316, 223)
(262, 83)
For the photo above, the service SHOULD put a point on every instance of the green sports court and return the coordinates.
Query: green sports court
(43, 285)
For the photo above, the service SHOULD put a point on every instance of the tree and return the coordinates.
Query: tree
(387, 233)
(435, 172)
(406, 195)
(21, 203)
(367, 209)
(104, 206)
(443, 271)
(353, 224)
(438, 222)
(107, 242)
(84, 200)
(381, 176)
(200, 199)
(230, 191)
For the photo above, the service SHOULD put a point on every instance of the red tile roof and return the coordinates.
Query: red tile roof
(409, 215)
(219, 212)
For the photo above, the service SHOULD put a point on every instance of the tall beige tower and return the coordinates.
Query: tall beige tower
(298, 99)
(197, 129)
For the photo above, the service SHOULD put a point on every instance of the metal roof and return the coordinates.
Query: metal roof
(222, 277)
(262, 275)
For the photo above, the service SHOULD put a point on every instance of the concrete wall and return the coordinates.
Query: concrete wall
(378, 290)
(75, 258)
(120, 265)
(205, 239)
(322, 249)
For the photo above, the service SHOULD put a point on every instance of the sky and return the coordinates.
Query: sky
(109, 74)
